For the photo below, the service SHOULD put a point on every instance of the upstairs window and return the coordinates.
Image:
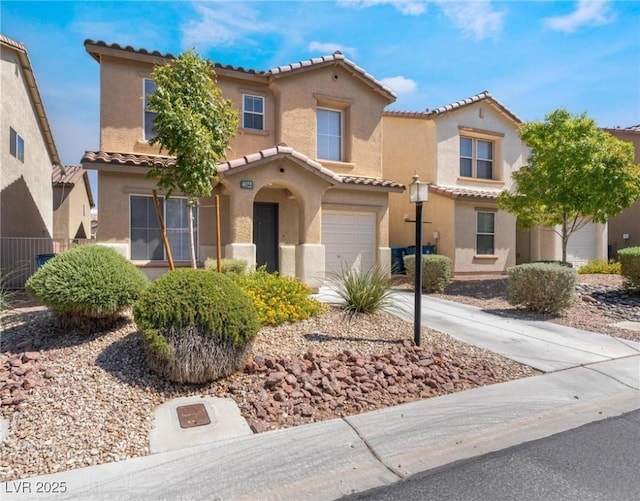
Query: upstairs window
(16, 145)
(146, 240)
(252, 112)
(329, 128)
(476, 158)
(485, 233)
(149, 116)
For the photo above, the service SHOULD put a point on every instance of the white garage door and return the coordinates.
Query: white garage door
(348, 238)
(581, 248)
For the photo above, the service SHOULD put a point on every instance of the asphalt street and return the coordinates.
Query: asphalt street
(599, 461)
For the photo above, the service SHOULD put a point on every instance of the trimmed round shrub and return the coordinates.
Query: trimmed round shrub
(278, 299)
(630, 266)
(88, 287)
(197, 326)
(436, 271)
(541, 287)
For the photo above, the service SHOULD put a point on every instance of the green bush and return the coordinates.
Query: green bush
(630, 266)
(197, 326)
(278, 299)
(600, 266)
(87, 287)
(436, 271)
(541, 287)
(363, 291)
(226, 265)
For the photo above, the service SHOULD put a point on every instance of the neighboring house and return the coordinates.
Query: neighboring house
(72, 203)
(466, 151)
(27, 150)
(302, 191)
(27, 155)
(624, 229)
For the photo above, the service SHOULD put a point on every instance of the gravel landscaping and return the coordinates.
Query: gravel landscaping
(74, 400)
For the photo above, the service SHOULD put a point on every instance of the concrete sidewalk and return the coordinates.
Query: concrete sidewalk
(590, 377)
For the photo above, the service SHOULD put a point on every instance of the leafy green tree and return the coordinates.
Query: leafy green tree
(195, 124)
(577, 174)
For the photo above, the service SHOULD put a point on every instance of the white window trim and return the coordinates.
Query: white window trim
(474, 157)
(478, 233)
(164, 216)
(340, 112)
(246, 94)
(145, 111)
(19, 152)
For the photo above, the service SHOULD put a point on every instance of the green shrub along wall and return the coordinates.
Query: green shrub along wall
(436, 271)
(87, 287)
(630, 266)
(541, 287)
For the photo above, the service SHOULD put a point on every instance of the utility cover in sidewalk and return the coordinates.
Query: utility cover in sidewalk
(207, 419)
(192, 415)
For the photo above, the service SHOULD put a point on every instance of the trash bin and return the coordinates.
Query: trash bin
(429, 249)
(43, 258)
(397, 261)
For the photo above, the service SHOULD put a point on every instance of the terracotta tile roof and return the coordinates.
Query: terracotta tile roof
(462, 192)
(406, 114)
(634, 129)
(32, 87)
(484, 95)
(71, 175)
(130, 159)
(93, 48)
(225, 168)
(336, 57)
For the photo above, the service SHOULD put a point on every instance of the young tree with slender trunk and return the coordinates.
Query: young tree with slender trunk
(576, 174)
(195, 124)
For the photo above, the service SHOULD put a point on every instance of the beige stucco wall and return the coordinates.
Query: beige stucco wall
(408, 148)
(483, 121)
(628, 221)
(25, 188)
(71, 210)
(300, 95)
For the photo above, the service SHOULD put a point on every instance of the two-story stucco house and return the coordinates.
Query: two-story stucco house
(27, 156)
(467, 151)
(72, 203)
(301, 191)
(27, 149)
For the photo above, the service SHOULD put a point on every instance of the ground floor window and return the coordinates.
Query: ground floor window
(485, 233)
(145, 238)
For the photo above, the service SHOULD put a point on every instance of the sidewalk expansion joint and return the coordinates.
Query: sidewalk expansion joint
(397, 473)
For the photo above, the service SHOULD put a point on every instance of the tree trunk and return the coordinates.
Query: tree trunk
(192, 247)
(565, 238)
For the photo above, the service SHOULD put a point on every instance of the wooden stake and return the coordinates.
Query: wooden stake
(218, 244)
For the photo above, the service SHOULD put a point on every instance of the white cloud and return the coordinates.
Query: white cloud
(330, 48)
(587, 13)
(406, 7)
(476, 18)
(221, 24)
(400, 85)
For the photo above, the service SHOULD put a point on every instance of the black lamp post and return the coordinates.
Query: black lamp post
(418, 193)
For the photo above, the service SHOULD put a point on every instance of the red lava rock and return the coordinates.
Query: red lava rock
(30, 355)
(67, 351)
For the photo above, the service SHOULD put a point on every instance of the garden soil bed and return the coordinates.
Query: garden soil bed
(75, 400)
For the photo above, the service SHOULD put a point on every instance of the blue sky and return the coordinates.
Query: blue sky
(532, 56)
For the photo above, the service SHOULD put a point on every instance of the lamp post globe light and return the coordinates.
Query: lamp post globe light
(418, 193)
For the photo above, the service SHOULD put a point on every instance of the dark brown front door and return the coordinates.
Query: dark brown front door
(265, 235)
